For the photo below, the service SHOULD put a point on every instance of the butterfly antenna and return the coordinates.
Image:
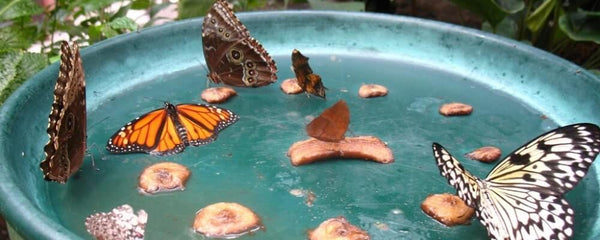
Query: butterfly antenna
(206, 71)
(88, 153)
(96, 123)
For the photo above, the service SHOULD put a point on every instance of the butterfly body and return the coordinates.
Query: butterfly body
(234, 57)
(307, 80)
(67, 122)
(169, 130)
(522, 197)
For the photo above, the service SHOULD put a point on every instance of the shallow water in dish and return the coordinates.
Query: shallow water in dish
(247, 164)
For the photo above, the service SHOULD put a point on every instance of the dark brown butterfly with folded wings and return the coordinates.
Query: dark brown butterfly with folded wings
(307, 80)
(67, 121)
(169, 130)
(232, 55)
(332, 124)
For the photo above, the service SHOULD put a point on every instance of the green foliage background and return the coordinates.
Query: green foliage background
(557, 26)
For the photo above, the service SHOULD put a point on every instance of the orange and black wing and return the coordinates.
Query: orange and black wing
(203, 122)
(154, 133)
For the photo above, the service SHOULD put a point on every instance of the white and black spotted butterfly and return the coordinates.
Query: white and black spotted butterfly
(521, 198)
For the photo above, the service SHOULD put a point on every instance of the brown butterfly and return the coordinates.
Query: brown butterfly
(307, 80)
(67, 121)
(332, 124)
(232, 55)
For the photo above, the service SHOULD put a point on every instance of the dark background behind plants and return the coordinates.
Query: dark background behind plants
(567, 28)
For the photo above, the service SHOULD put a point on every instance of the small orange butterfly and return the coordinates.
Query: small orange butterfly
(169, 130)
(307, 80)
(332, 124)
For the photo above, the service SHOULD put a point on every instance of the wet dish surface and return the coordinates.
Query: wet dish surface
(247, 162)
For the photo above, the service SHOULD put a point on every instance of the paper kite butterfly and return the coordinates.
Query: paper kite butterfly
(169, 130)
(522, 197)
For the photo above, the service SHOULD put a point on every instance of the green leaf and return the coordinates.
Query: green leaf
(14, 37)
(123, 23)
(17, 66)
(581, 25)
(510, 6)
(95, 33)
(30, 64)
(18, 8)
(487, 9)
(122, 12)
(8, 66)
(193, 8)
(91, 5)
(107, 31)
(141, 4)
(339, 6)
(538, 18)
(507, 28)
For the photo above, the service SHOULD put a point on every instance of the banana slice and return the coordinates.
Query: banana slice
(372, 90)
(337, 229)
(361, 147)
(163, 177)
(226, 220)
(217, 94)
(448, 209)
(455, 109)
(485, 154)
(290, 86)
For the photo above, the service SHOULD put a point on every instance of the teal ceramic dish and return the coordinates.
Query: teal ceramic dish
(517, 91)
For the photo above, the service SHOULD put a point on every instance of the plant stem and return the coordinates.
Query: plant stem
(555, 28)
(522, 27)
(593, 60)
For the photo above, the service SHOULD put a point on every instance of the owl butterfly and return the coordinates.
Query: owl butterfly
(232, 55)
(67, 121)
(522, 197)
(332, 124)
(170, 129)
(307, 80)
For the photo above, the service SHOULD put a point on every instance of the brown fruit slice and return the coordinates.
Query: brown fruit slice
(332, 124)
(455, 109)
(226, 220)
(485, 154)
(337, 229)
(290, 86)
(163, 177)
(448, 209)
(217, 94)
(372, 90)
(361, 147)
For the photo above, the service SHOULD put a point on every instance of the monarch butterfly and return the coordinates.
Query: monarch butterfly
(521, 198)
(169, 130)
